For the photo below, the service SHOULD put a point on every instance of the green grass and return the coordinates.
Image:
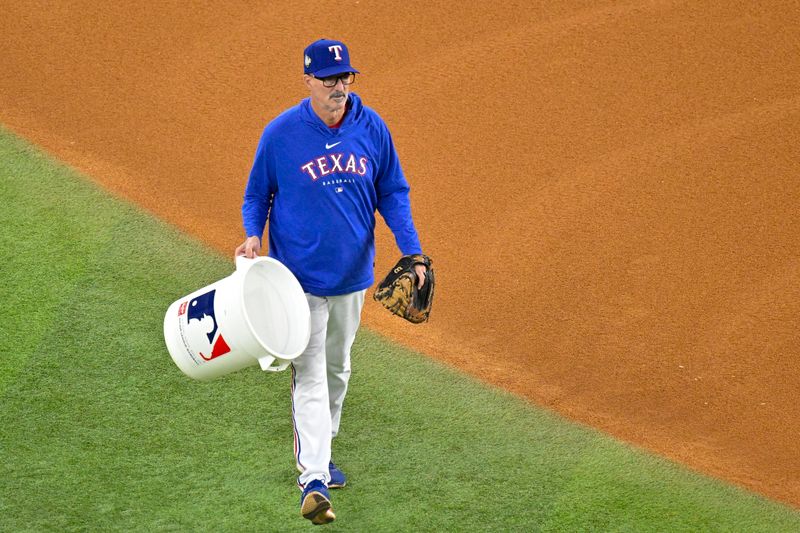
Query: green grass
(101, 432)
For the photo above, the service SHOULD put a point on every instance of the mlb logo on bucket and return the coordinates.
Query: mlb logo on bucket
(202, 328)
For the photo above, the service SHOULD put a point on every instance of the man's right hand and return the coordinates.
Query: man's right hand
(249, 248)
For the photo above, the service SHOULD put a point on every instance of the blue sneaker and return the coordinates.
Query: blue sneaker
(338, 479)
(315, 503)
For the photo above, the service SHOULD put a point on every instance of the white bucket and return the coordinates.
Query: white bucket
(258, 314)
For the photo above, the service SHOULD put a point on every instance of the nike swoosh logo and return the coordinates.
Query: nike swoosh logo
(329, 146)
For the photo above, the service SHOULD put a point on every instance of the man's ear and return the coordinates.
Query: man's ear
(307, 80)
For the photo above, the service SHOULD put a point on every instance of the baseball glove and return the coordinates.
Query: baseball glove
(398, 291)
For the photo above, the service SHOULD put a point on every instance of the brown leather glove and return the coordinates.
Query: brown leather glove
(398, 291)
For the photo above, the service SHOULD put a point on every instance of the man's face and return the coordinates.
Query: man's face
(331, 99)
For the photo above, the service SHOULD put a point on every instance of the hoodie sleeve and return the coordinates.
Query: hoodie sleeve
(261, 187)
(394, 204)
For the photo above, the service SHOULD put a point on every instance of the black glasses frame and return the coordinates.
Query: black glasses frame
(330, 81)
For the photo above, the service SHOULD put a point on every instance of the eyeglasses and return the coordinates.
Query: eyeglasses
(347, 78)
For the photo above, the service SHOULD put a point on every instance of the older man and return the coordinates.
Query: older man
(321, 170)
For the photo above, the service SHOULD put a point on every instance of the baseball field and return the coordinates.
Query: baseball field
(609, 192)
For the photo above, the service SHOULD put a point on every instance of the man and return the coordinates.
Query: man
(321, 170)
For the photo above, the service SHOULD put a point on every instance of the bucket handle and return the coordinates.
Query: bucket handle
(268, 364)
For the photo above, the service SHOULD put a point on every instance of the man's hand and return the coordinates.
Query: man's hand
(420, 270)
(249, 248)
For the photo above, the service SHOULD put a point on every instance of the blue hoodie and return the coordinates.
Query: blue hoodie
(320, 188)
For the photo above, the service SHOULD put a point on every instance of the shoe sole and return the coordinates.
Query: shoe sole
(317, 508)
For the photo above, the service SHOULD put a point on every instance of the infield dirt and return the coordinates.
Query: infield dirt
(609, 190)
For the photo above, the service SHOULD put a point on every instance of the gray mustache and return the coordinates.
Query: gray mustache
(337, 94)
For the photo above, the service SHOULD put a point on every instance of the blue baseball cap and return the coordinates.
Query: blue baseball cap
(327, 57)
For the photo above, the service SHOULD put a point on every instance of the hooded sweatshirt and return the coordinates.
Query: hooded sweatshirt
(320, 187)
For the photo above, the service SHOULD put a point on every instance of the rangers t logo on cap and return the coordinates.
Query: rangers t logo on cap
(336, 48)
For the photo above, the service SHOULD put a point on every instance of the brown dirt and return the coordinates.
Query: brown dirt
(609, 190)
